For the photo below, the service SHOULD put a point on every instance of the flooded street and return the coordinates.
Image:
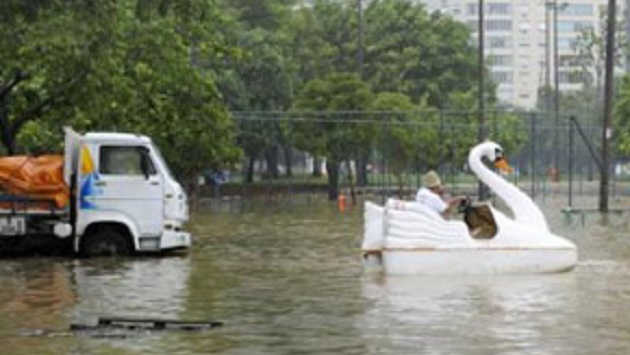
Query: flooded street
(290, 281)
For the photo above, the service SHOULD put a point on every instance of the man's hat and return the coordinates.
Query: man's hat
(431, 179)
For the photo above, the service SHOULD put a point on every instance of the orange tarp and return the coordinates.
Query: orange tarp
(35, 177)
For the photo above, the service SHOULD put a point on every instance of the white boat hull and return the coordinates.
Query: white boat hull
(409, 238)
(512, 260)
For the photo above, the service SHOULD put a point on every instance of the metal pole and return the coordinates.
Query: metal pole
(533, 153)
(608, 102)
(547, 91)
(556, 76)
(482, 123)
(360, 38)
(571, 119)
(481, 134)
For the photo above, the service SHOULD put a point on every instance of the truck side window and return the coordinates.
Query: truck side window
(125, 161)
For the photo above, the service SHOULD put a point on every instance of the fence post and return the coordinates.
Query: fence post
(571, 119)
(533, 153)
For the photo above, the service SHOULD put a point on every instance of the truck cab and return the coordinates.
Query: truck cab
(124, 197)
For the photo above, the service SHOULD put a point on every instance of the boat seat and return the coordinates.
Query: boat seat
(415, 225)
(480, 222)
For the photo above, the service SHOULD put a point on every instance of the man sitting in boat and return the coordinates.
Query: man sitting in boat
(432, 192)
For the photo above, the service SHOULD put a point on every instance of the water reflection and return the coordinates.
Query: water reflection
(152, 287)
(34, 292)
(472, 315)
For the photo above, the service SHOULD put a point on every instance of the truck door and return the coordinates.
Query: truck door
(129, 183)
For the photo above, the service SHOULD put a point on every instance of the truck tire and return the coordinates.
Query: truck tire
(106, 242)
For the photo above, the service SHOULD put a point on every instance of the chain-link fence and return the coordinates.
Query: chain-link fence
(297, 157)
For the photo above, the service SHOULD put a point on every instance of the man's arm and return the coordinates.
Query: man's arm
(451, 204)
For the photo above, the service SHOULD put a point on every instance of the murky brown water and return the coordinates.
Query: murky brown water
(291, 282)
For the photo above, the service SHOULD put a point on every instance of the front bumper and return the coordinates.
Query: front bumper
(175, 240)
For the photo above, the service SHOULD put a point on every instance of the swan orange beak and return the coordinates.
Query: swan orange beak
(503, 165)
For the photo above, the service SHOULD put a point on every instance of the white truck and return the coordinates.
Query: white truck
(121, 199)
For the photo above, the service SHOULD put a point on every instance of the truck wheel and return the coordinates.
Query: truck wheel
(106, 242)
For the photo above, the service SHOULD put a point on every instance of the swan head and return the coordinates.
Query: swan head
(494, 153)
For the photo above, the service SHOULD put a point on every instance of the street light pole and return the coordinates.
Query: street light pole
(481, 134)
(556, 77)
(482, 129)
(360, 38)
(547, 90)
(608, 104)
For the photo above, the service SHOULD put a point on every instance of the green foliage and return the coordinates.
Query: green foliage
(420, 55)
(622, 117)
(406, 131)
(128, 65)
(341, 133)
(406, 50)
(323, 39)
(502, 127)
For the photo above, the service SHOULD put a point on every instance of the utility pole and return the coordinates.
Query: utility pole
(360, 38)
(481, 134)
(556, 103)
(556, 79)
(482, 120)
(608, 104)
(547, 59)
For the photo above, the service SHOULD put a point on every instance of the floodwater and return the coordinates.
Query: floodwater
(290, 281)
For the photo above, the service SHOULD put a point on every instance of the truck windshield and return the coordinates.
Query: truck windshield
(161, 161)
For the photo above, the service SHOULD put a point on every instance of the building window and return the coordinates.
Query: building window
(576, 10)
(572, 77)
(471, 9)
(498, 25)
(499, 9)
(567, 43)
(500, 60)
(573, 26)
(502, 77)
(569, 61)
(499, 42)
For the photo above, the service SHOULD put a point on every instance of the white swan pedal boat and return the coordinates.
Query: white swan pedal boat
(407, 238)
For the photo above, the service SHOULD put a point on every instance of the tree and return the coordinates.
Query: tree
(622, 117)
(406, 132)
(333, 128)
(590, 48)
(126, 65)
(259, 80)
(323, 39)
(425, 56)
(43, 57)
(505, 128)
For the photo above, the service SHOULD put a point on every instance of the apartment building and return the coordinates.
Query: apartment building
(520, 38)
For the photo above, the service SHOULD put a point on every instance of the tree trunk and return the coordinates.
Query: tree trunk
(271, 156)
(332, 168)
(353, 194)
(8, 140)
(362, 173)
(249, 174)
(288, 161)
(317, 167)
